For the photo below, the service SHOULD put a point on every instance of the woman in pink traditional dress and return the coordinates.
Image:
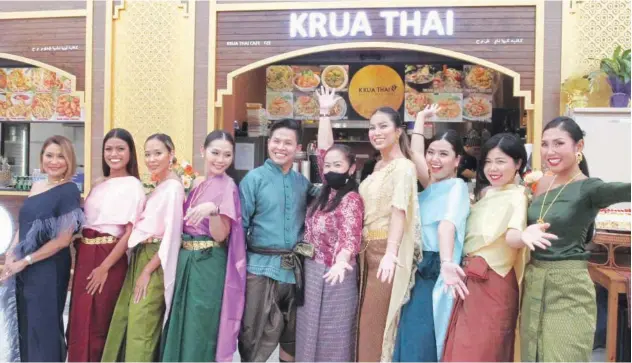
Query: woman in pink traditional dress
(326, 323)
(111, 210)
(211, 277)
(136, 326)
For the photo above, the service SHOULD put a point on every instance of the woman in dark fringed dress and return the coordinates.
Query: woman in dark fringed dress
(40, 260)
(326, 323)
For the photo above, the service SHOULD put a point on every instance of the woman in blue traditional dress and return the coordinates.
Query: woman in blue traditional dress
(443, 208)
(40, 257)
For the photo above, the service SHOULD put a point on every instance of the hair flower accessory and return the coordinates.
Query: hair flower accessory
(531, 179)
(184, 170)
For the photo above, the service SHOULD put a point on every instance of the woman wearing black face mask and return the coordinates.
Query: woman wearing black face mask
(325, 324)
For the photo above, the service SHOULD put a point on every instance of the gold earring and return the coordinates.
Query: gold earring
(579, 157)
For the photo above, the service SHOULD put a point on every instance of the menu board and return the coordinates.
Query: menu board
(291, 91)
(37, 94)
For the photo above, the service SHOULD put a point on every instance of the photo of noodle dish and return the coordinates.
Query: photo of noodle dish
(306, 81)
(479, 78)
(20, 108)
(43, 107)
(279, 78)
(416, 102)
(43, 80)
(305, 107)
(477, 107)
(279, 105)
(451, 79)
(335, 77)
(450, 106)
(420, 74)
(339, 111)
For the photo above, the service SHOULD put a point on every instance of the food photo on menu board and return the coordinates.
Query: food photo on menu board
(434, 78)
(305, 106)
(291, 90)
(306, 79)
(280, 105)
(335, 77)
(68, 108)
(415, 101)
(450, 106)
(279, 79)
(37, 94)
(479, 79)
(477, 107)
(19, 106)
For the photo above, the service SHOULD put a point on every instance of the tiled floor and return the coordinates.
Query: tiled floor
(599, 355)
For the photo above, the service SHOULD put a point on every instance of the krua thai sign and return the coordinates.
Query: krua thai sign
(351, 24)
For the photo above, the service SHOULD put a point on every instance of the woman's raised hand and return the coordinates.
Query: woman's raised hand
(326, 99)
(428, 112)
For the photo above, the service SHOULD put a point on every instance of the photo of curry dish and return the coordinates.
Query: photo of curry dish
(306, 81)
(335, 77)
(279, 78)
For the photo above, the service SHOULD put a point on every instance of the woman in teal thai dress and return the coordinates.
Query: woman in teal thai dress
(210, 282)
(444, 206)
(558, 313)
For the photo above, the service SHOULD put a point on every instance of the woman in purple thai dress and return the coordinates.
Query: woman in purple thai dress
(211, 275)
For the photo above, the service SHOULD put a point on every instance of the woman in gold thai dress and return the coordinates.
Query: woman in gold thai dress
(390, 238)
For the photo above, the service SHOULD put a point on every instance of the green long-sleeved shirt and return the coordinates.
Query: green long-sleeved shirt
(572, 214)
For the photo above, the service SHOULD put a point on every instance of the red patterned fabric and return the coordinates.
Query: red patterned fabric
(339, 229)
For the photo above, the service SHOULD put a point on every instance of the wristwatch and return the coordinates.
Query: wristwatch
(28, 259)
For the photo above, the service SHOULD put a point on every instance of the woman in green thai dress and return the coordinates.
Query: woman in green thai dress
(558, 314)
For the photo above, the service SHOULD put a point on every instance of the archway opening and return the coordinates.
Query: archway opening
(512, 107)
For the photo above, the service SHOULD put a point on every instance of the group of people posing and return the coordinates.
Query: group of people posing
(340, 272)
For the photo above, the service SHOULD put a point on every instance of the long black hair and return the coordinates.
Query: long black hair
(396, 119)
(577, 134)
(574, 131)
(132, 164)
(322, 200)
(223, 135)
(510, 145)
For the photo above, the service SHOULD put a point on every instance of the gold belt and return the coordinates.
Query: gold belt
(101, 240)
(152, 240)
(376, 234)
(200, 245)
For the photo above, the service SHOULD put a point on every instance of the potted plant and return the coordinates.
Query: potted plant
(617, 69)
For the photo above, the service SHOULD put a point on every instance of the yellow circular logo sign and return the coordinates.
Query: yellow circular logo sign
(373, 87)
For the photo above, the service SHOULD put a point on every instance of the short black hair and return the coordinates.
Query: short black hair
(287, 124)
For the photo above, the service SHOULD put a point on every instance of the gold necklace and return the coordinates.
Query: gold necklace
(54, 182)
(541, 219)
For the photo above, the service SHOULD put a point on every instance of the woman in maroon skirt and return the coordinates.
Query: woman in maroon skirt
(111, 210)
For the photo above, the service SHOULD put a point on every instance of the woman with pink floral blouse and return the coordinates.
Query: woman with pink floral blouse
(326, 323)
